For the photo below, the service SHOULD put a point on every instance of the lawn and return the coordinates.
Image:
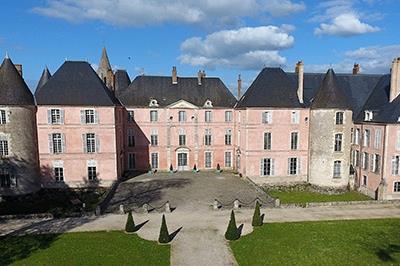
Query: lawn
(303, 197)
(94, 248)
(359, 242)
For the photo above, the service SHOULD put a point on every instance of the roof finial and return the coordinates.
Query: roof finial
(7, 57)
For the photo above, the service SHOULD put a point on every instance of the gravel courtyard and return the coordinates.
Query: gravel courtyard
(184, 190)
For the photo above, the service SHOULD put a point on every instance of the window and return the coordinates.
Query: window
(228, 137)
(367, 135)
(55, 117)
(208, 117)
(90, 143)
(356, 158)
(293, 166)
(396, 187)
(3, 147)
(7, 180)
(337, 165)
(365, 180)
(339, 118)
(90, 116)
(378, 138)
(207, 137)
(57, 143)
(92, 173)
(338, 142)
(228, 159)
(294, 139)
(295, 117)
(131, 161)
(154, 137)
(182, 116)
(131, 116)
(368, 115)
(59, 174)
(228, 116)
(267, 167)
(357, 136)
(208, 159)
(267, 117)
(374, 165)
(131, 138)
(153, 116)
(267, 140)
(395, 165)
(3, 117)
(365, 160)
(154, 160)
(182, 139)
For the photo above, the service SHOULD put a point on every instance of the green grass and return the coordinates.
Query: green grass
(94, 248)
(360, 242)
(303, 197)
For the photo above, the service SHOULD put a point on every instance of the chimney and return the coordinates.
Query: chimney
(356, 69)
(239, 86)
(300, 88)
(395, 79)
(174, 75)
(199, 76)
(19, 68)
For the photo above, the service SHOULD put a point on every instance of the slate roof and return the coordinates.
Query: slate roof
(357, 88)
(330, 94)
(271, 88)
(75, 83)
(144, 88)
(122, 81)
(13, 89)
(43, 78)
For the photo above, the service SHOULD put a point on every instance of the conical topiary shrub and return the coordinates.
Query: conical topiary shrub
(130, 224)
(171, 168)
(257, 219)
(164, 235)
(232, 232)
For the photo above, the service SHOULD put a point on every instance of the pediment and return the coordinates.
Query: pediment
(183, 104)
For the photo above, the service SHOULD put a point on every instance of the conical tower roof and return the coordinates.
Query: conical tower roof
(330, 95)
(13, 89)
(44, 78)
(104, 64)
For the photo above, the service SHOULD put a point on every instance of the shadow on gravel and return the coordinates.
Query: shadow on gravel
(135, 194)
(173, 235)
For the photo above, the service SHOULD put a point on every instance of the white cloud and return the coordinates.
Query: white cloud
(345, 25)
(244, 48)
(342, 18)
(151, 12)
(278, 8)
(372, 59)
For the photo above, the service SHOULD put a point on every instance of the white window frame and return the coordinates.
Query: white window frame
(396, 186)
(367, 138)
(91, 145)
(228, 159)
(208, 116)
(182, 116)
(294, 140)
(337, 169)
(154, 137)
(395, 165)
(131, 116)
(3, 117)
(153, 116)
(293, 166)
(228, 116)
(267, 117)
(267, 167)
(208, 137)
(267, 141)
(339, 118)
(228, 137)
(154, 160)
(338, 147)
(295, 117)
(4, 148)
(378, 138)
(208, 163)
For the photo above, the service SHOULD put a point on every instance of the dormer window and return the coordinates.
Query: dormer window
(153, 103)
(208, 104)
(368, 115)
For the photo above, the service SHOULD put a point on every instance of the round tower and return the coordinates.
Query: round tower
(330, 131)
(19, 164)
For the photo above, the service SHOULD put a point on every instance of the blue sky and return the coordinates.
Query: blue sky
(224, 37)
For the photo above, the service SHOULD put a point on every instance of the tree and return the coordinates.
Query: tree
(130, 224)
(164, 235)
(232, 232)
(257, 219)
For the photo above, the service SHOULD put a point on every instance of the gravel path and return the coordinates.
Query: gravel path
(201, 232)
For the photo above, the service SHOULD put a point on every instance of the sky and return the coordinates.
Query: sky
(223, 37)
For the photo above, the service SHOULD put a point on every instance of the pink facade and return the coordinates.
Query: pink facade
(181, 144)
(251, 144)
(72, 154)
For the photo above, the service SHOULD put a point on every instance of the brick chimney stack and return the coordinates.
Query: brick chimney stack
(300, 88)
(395, 79)
(356, 69)
(174, 75)
(239, 87)
(19, 68)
